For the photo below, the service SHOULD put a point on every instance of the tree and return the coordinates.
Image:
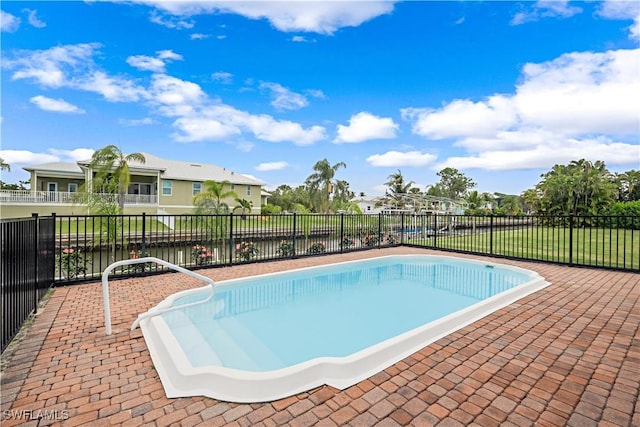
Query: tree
(4, 166)
(211, 201)
(244, 206)
(112, 172)
(628, 184)
(398, 189)
(478, 203)
(341, 192)
(453, 184)
(320, 184)
(579, 188)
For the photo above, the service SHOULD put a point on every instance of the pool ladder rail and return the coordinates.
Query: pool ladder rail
(153, 311)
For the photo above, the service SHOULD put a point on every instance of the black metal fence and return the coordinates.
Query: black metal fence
(37, 252)
(86, 245)
(27, 261)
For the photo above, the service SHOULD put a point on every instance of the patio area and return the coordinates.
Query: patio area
(566, 355)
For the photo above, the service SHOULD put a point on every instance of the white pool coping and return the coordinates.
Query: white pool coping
(181, 379)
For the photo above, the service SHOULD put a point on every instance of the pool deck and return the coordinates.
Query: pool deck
(566, 355)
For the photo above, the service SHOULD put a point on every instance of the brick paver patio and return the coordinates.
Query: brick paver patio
(566, 355)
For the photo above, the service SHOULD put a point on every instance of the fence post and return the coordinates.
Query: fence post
(570, 239)
(491, 235)
(144, 239)
(379, 229)
(293, 238)
(36, 252)
(402, 228)
(435, 229)
(341, 232)
(231, 238)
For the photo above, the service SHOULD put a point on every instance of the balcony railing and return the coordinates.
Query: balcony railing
(19, 197)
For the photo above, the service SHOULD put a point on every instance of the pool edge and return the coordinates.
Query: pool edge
(180, 379)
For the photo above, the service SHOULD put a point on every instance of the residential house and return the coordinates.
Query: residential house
(159, 186)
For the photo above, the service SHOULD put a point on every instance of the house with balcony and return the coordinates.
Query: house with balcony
(159, 186)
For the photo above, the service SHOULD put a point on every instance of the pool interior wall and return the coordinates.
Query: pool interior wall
(181, 378)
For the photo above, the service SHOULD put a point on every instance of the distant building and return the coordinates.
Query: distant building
(158, 186)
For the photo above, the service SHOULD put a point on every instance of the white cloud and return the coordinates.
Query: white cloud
(400, 159)
(199, 36)
(157, 64)
(53, 155)
(582, 93)
(168, 90)
(71, 66)
(148, 63)
(552, 150)
(168, 54)
(463, 117)
(171, 21)
(316, 93)
(26, 157)
(196, 116)
(298, 39)
(579, 105)
(52, 67)
(223, 77)
(198, 128)
(364, 126)
(114, 89)
(8, 22)
(317, 17)
(272, 166)
(137, 122)
(284, 99)
(33, 19)
(57, 105)
(545, 9)
(72, 155)
(616, 9)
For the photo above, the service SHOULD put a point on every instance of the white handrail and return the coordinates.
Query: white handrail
(152, 312)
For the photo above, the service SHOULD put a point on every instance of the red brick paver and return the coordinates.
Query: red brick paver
(566, 355)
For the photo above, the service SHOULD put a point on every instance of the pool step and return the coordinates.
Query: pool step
(193, 343)
(237, 340)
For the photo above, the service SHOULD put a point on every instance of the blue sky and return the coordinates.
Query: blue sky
(500, 90)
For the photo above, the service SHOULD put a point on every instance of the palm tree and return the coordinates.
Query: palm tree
(211, 201)
(112, 173)
(244, 206)
(398, 189)
(4, 166)
(320, 183)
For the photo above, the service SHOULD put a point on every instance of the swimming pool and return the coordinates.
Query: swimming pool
(266, 337)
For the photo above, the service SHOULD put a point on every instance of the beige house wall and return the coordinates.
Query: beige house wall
(63, 183)
(182, 196)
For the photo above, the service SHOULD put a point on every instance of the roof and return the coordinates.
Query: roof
(66, 168)
(196, 171)
(170, 169)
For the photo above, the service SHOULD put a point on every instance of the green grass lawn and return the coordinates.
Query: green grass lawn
(591, 246)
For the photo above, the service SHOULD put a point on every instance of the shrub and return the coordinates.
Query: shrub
(371, 240)
(246, 250)
(285, 249)
(200, 255)
(317, 248)
(346, 242)
(72, 263)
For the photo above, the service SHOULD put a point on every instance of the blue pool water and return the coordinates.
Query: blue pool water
(276, 321)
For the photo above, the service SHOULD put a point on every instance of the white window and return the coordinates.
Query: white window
(73, 187)
(197, 188)
(166, 187)
(248, 190)
(233, 187)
